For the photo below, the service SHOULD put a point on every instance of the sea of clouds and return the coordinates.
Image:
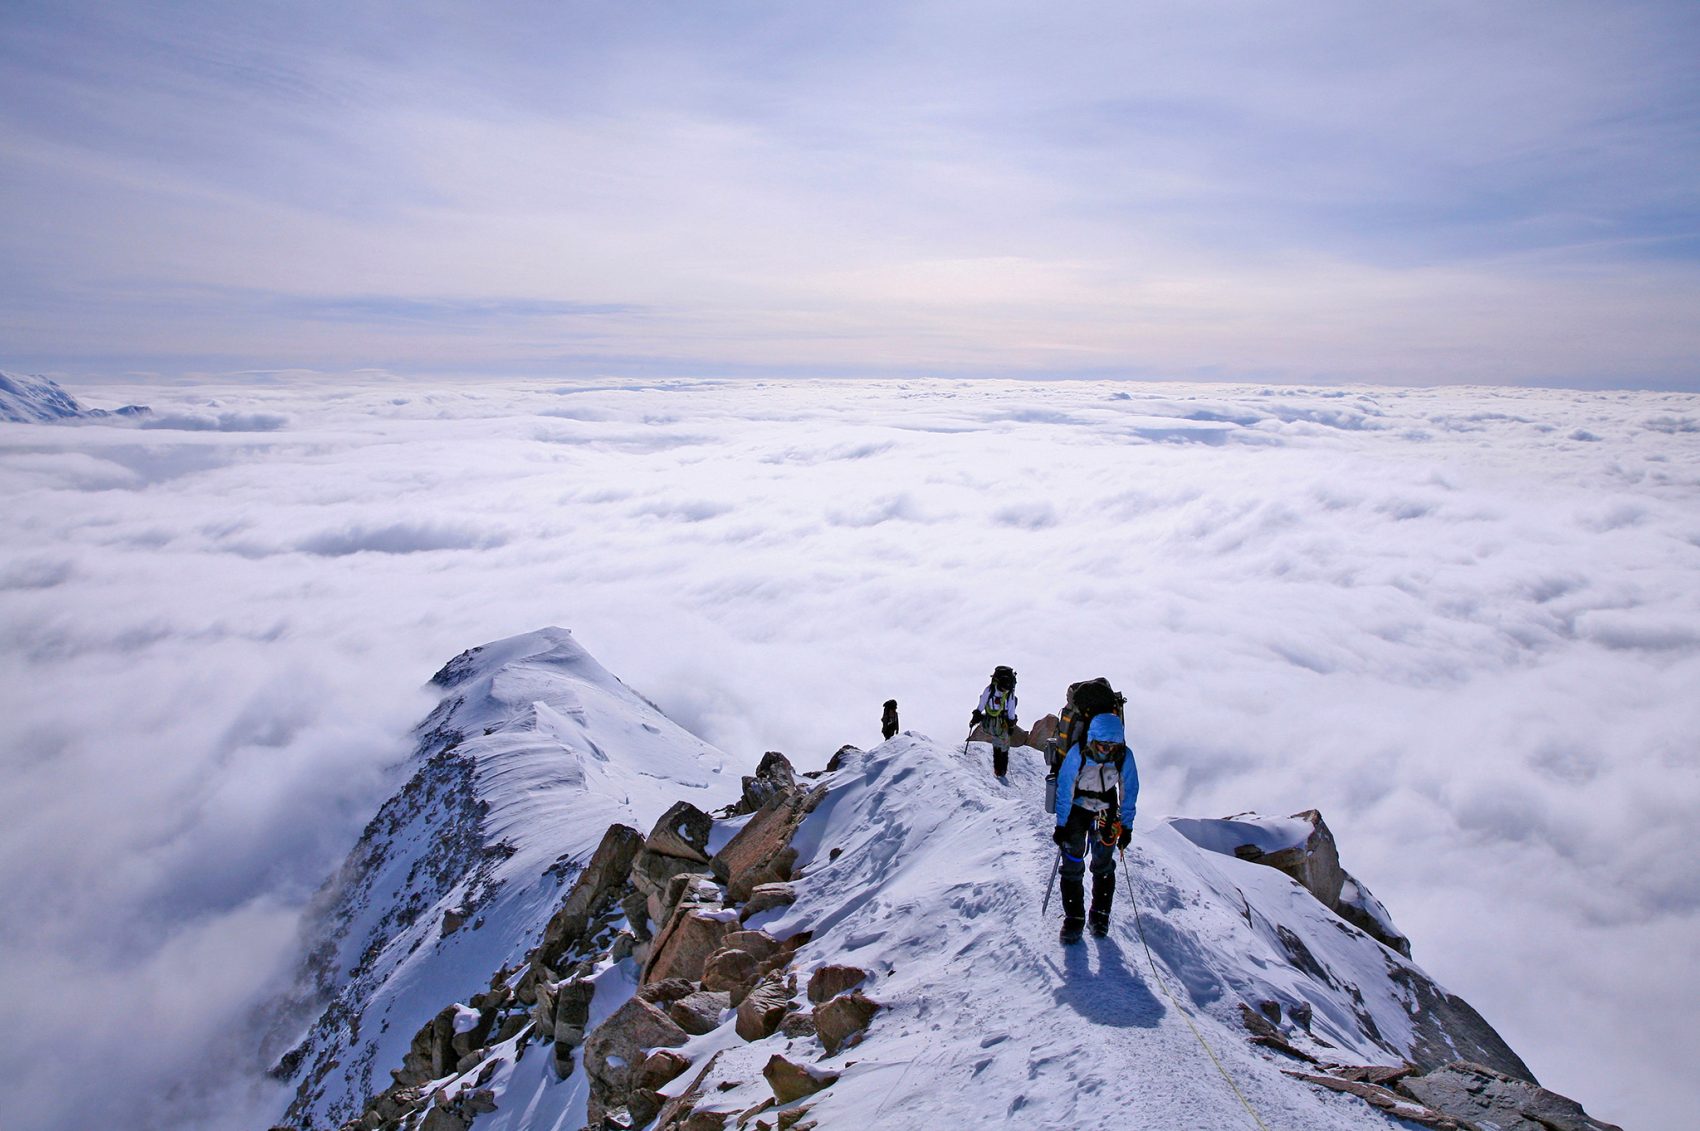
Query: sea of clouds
(1463, 623)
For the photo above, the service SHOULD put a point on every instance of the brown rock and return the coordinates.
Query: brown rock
(661, 1067)
(765, 897)
(676, 1111)
(1043, 731)
(572, 1011)
(608, 869)
(681, 832)
(758, 943)
(1380, 1097)
(683, 947)
(798, 1025)
(830, 981)
(761, 852)
(762, 1009)
(701, 1120)
(842, 1020)
(791, 1082)
(442, 1119)
(774, 775)
(665, 991)
(732, 971)
(699, 1013)
(615, 1052)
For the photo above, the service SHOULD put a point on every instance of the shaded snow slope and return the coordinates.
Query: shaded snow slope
(533, 751)
(920, 868)
(37, 400)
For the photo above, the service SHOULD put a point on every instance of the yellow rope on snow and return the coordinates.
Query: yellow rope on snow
(1164, 986)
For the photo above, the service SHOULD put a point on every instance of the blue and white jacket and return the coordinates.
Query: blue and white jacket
(1082, 779)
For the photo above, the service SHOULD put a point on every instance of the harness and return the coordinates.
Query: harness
(1097, 787)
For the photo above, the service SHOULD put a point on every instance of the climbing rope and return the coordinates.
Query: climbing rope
(1164, 986)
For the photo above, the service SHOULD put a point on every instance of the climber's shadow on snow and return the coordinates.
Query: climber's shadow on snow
(1099, 983)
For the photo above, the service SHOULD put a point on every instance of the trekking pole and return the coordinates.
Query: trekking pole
(1045, 907)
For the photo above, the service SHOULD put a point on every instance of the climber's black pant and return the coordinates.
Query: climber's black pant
(1078, 834)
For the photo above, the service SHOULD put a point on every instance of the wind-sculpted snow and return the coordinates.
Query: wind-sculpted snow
(533, 751)
(1468, 633)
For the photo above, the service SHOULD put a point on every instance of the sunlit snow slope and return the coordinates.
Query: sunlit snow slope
(936, 889)
(534, 750)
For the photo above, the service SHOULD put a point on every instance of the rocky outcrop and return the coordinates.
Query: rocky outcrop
(791, 1081)
(682, 832)
(774, 775)
(615, 1055)
(841, 1021)
(761, 853)
(1043, 731)
(596, 887)
(1481, 1097)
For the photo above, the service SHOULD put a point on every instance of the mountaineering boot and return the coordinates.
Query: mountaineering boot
(1103, 895)
(1099, 922)
(1070, 931)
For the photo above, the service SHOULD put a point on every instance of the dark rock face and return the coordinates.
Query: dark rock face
(443, 796)
(1485, 1098)
(1449, 1029)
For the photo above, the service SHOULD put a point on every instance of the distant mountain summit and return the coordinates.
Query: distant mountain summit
(38, 400)
(860, 946)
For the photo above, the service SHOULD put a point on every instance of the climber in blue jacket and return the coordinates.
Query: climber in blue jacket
(1097, 788)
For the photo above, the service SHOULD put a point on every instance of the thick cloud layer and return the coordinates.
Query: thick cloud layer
(1464, 624)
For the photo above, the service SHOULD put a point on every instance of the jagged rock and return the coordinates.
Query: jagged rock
(774, 775)
(1482, 1096)
(636, 907)
(761, 853)
(479, 1101)
(442, 1119)
(1043, 731)
(732, 971)
(681, 832)
(699, 1013)
(702, 1120)
(661, 1067)
(572, 1011)
(454, 918)
(762, 1009)
(792, 1082)
(677, 1111)
(1390, 1102)
(758, 943)
(615, 1052)
(830, 981)
(841, 1020)
(665, 991)
(669, 882)
(798, 1025)
(837, 759)
(765, 897)
(683, 948)
(511, 1027)
(608, 869)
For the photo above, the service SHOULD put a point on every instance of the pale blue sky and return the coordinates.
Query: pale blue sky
(1428, 193)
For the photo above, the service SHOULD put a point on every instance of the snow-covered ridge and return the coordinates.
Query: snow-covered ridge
(906, 873)
(38, 400)
(534, 750)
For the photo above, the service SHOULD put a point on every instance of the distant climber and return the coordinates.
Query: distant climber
(888, 721)
(996, 713)
(1097, 788)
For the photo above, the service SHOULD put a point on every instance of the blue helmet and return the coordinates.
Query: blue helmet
(1106, 728)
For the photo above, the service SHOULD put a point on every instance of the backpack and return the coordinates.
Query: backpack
(1086, 701)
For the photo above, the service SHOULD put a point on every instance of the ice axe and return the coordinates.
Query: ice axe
(1045, 907)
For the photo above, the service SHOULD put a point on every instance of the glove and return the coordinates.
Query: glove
(976, 719)
(1126, 838)
(1059, 836)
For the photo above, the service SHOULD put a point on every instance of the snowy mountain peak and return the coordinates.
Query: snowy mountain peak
(861, 946)
(38, 400)
(533, 751)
